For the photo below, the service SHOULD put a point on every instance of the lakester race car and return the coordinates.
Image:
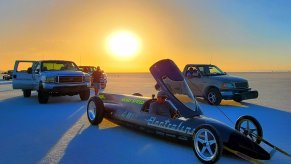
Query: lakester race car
(207, 136)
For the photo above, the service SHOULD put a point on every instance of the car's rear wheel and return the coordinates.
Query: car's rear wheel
(95, 110)
(213, 96)
(84, 95)
(207, 145)
(26, 92)
(250, 127)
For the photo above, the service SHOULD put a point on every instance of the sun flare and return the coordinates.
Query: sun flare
(123, 44)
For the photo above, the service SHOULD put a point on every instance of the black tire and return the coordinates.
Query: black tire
(213, 96)
(84, 95)
(213, 144)
(95, 110)
(254, 132)
(43, 96)
(237, 99)
(26, 93)
(137, 94)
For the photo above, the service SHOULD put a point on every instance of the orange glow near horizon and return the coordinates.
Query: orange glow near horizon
(146, 31)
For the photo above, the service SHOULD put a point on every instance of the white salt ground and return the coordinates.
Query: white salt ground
(58, 132)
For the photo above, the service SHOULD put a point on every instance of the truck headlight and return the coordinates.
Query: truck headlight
(50, 79)
(227, 86)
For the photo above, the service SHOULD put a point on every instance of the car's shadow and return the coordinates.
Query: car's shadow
(125, 145)
(113, 144)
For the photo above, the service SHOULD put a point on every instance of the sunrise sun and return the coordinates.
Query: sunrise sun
(123, 44)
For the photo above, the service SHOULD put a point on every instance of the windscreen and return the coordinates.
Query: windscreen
(92, 69)
(59, 66)
(210, 70)
(181, 91)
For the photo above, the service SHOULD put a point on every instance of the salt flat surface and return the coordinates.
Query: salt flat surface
(58, 132)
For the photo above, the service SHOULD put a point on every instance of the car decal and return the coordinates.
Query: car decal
(133, 101)
(102, 97)
(167, 124)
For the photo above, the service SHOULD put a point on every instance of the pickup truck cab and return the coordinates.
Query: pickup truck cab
(50, 78)
(210, 82)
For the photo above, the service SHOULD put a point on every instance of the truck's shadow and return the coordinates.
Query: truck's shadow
(29, 129)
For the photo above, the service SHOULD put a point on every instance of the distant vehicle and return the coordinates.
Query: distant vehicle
(208, 137)
(210, 82)
(90, 70)
(7, 75)
(50, 78)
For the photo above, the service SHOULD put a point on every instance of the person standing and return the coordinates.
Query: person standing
(96, 80)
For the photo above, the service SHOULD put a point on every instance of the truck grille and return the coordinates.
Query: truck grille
(70, 79)
(242, 85)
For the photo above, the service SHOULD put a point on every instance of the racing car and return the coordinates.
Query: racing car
(208, 137)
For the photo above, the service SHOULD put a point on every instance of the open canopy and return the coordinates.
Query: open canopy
(170, 80)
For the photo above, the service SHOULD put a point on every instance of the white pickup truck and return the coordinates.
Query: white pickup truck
(50, 78)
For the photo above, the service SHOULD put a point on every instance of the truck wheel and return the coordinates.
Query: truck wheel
(207, 145)
(250, 127)
(43, 97)
(137, 94)
(84, 95)
(237, 100)
(95, 110)
(26, 92)
(213, 96)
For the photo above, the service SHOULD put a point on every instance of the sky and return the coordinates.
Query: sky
(237, 36)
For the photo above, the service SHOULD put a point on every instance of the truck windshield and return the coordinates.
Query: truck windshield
(182, 92)
(59, 66)
(210, 70)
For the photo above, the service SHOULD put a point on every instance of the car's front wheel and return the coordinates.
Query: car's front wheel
(207, 145)
(250, 127)
(213, 96)
(95, 110)
(26, 92)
